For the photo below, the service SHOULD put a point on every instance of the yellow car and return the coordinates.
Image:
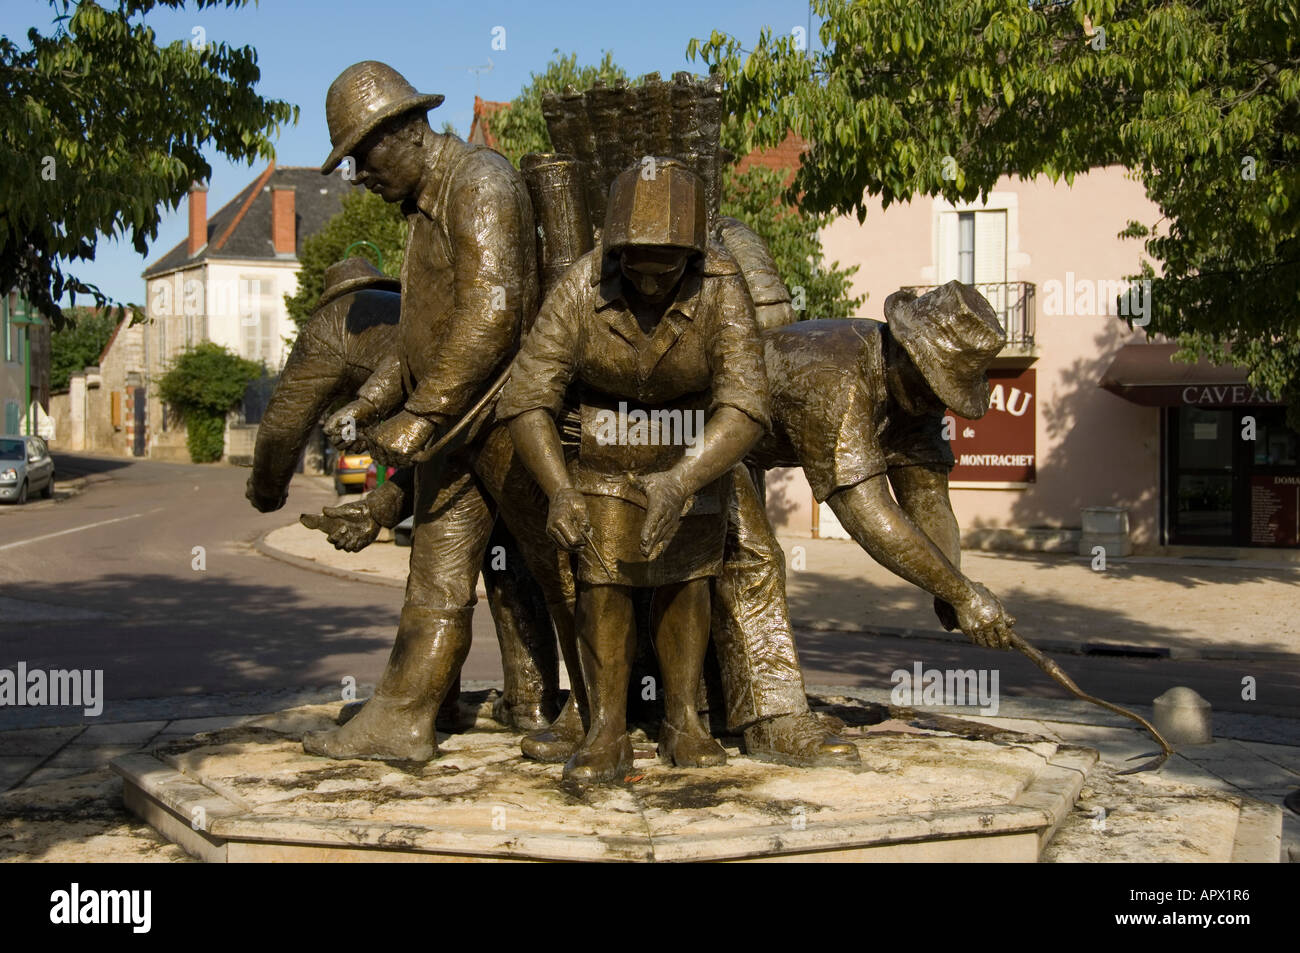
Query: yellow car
(350, 472)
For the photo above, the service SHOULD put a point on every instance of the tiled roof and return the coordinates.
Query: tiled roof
(242, 227)
(480, 130)
(786, 156)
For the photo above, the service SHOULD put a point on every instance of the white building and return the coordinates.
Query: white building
(224, 283)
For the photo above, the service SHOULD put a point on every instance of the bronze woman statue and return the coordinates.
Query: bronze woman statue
(654, 334)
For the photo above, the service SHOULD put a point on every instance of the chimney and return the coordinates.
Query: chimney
(198, 218)
(284, 230)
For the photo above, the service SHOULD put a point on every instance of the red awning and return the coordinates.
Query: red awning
(1145, 374)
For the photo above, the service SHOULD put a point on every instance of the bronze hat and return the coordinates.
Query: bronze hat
(660, 204)
(354, 274)
(364, 96)
(951, 333)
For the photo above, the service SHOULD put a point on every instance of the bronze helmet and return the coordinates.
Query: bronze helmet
(951, 334)
(362, 97)
(658, 201)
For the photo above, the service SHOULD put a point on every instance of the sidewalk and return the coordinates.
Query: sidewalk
(1178, 609)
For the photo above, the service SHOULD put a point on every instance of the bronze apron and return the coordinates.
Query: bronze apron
(621, 438)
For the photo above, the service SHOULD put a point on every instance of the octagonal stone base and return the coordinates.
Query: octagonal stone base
(930, 788)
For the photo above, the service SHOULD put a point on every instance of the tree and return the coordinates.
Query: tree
(1201, 100)
(364, 217)
(755, 196)
(520, 128)
(78, 344)
(101, 128)
(204, 383)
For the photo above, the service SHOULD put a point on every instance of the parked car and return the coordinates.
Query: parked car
(25, 467)
(350, 472)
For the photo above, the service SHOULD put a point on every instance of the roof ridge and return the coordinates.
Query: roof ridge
(239, 216)
(111, 338)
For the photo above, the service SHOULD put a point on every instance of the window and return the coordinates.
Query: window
(256, 321)
(973, 250)
(973, 247)
(966, 248)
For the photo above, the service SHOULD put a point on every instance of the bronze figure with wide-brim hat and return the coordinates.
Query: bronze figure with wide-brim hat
(951, 333)
(361, 99)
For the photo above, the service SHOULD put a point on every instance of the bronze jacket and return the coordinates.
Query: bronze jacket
(469, 283)
(832, 411)
(707, 344)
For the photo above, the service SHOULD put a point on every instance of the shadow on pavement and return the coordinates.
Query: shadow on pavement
(157, 635)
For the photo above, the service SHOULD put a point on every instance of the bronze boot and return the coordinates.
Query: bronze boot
(691, 747)
(397, 723)
(601, 762)
(798, 740)
(528, 656)
(557, 743)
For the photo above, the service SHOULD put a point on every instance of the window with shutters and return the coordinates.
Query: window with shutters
(973, 250)
(257, 322)
(966, 247)
(973, 247)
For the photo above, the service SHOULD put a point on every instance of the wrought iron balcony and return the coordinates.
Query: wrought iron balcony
(1012, 301)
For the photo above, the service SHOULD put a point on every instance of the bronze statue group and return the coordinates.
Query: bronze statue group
(596, 291)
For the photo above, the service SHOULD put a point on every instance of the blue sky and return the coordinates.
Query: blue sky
(302, 45)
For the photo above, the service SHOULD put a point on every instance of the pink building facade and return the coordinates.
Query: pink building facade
(1093, 434)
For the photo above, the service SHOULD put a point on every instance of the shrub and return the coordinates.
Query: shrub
(204, 383)
(205, 435)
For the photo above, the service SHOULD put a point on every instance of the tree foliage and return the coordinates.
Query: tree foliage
(364, 217)
(757, 197)
(1200, 99)
(101, 129)
(78, 344)
(204, 383)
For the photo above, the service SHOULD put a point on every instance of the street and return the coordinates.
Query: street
(109, 579)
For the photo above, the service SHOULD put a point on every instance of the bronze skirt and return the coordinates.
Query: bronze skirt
(604, 473)
(694, 551)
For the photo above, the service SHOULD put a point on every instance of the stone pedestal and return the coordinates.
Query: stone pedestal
(929, 789)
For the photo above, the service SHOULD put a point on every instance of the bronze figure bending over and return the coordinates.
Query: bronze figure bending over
(656, 325)
(859, 405)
